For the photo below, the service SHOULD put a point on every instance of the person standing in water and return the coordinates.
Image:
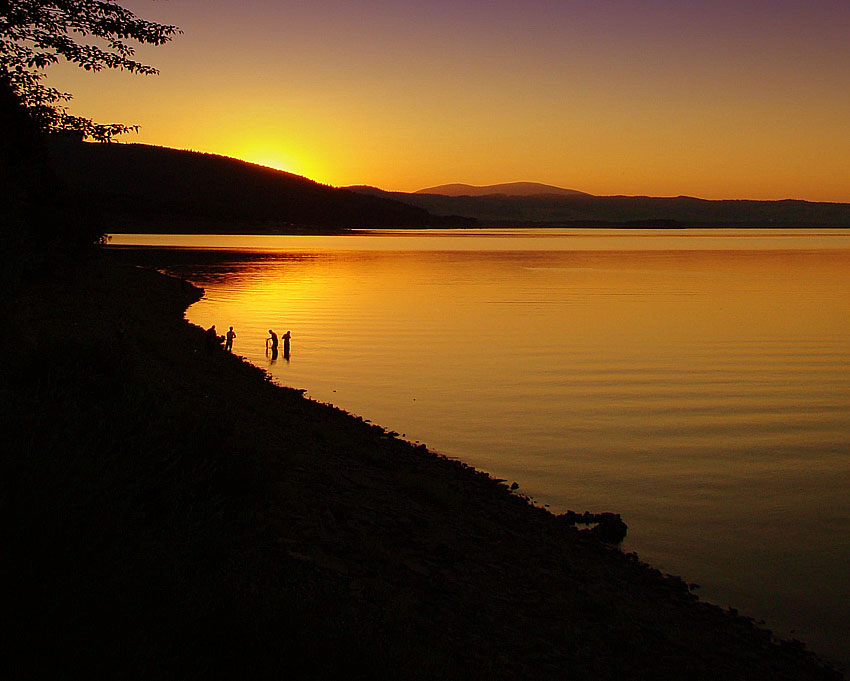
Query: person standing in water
(230, 336)
(272, 340)
(286, 338)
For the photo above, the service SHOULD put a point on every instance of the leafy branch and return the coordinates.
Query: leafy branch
(93, 34)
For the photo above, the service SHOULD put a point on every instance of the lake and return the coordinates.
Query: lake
(696, 382)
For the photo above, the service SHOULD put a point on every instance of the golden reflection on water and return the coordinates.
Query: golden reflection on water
(700, 386)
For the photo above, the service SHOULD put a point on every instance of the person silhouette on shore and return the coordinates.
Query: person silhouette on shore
(212, 338)
(230, 336)
(272, 340)
(286, 338)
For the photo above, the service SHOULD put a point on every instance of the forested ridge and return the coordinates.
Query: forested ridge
(144, 188)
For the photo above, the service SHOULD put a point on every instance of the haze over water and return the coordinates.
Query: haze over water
(698, 383)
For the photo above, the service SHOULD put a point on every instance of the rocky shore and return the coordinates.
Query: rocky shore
(168, 512)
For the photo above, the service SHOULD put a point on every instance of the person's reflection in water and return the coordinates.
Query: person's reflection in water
(271, 341)
(286, 338)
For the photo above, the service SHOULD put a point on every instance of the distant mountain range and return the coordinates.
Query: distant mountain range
(508, 189)
(141, 188)
(528, 204)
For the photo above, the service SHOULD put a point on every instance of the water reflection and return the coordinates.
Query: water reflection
(698, 385)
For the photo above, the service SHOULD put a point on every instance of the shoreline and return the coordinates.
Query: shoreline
(336, 547)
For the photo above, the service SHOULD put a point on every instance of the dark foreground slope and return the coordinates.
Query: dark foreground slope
(155, 189)
(169, 513)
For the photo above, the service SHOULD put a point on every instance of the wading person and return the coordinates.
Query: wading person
(286, 338)
(271, 341)
(230, 336)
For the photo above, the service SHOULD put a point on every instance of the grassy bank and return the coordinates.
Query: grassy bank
(171, 513)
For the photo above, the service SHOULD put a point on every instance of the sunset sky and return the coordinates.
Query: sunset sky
(709, 98)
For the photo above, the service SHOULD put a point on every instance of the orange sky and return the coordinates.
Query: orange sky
(713, 99)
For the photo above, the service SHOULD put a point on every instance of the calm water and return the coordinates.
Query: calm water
(698, 383)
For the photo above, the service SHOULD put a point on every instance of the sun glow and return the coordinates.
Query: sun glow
(268, 150)
(272, 158)
(280, 159)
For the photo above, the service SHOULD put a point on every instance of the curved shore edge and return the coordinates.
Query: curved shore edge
(169, 512)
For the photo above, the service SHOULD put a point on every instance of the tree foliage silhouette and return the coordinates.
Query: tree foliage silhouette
(93, 34)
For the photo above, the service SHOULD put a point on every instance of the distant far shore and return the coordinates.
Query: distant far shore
(163, 227)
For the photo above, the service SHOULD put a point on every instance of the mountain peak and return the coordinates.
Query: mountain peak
(506, 189)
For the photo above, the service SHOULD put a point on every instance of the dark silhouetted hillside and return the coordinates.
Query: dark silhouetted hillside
(43, 224)
(628, 211)
(143, 188)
